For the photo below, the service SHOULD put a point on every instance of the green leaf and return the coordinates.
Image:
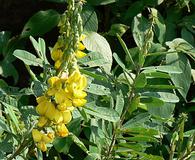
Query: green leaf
(108, 114)
(159, 25)
(180, 45)
(4, 126)
(164, 96)
(89, 17)
(154, 74)
(93, 59)
(141, 131)
(188, 36)
(95, 74)
(133, 146)
(165, 68)
(132, 11)
(4, 37)
(141, 138)
(151, 101)
(78, 142)
(97, 43)
(28, 58)
(100, 2)
(98, 89)
(162, 87)
(137, 121)
(140, 29)
(119, 102)
(140, 81)
(183, 79)
(40, 23)
(10, 111)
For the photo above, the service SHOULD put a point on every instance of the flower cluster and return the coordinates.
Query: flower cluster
(55, 106)
(57, 52)
(65, 90)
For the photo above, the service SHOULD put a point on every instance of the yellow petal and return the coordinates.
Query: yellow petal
(58, 117)
(57, 64)
(79, 102)
(42, 108)
(46, 139)
(50, 135)
(50, 111)
(82, 84)
(42, 121)
(42, 146)
(51, 91)
(52, 80)
(41, 99)
(81, 46)
(67, 116)
(60, 96)
(80, 54)
(37, 135)
(61, 130)
(63, 106)
(56, 54)
(79, 94)
(74, 77)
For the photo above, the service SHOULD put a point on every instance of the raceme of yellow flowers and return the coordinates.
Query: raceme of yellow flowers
(55, 106)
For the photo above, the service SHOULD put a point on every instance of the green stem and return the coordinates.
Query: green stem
(126, 49)
(20, 149)
(33, 76)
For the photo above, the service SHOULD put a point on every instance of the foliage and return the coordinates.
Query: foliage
(140, 73)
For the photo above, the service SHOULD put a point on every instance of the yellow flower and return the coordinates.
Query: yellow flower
(79, 102)
(67, 116)
(42, 121)
(42, 146)
(37, 135)
(61, 130)
(50, 111)
(80, 54)
(56, 54)
(42, 107)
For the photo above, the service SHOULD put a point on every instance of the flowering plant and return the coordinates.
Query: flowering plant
(121, 94)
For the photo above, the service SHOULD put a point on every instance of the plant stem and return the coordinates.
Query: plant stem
(20, 148)
(131, 95)
(31, 73)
